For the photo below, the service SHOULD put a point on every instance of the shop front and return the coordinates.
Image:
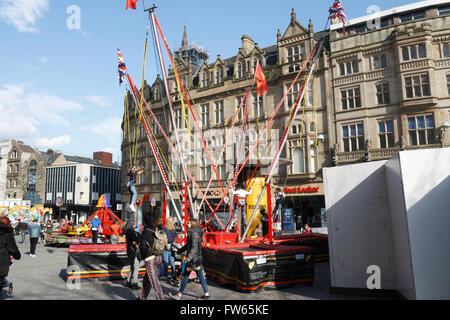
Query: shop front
(307, 202)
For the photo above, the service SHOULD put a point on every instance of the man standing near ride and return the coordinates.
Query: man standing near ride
(95, 224)
(35, 233)
(116, 231)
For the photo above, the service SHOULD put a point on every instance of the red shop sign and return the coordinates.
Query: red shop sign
(308, 189)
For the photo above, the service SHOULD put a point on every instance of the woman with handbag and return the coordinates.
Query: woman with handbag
(152, 260)
(193, 260)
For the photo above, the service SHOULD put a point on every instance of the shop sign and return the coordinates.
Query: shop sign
(308, 189)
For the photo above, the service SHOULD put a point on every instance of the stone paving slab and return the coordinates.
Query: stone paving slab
(43, 278)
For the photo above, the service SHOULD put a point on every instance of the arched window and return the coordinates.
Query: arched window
(33, 163)
(298, 165)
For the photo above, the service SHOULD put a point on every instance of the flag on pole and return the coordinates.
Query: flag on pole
(261, 83)
(122, 67)
(131, 4)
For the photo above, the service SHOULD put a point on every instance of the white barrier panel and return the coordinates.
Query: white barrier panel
(394, 215)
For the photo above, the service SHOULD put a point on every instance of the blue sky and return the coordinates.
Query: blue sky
(58, 86)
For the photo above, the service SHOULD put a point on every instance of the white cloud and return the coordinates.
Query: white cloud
(99, 100)
(110, 126)
(43, 59)
(53, 142)
(23, 14)
(109, 129)
(25, 111)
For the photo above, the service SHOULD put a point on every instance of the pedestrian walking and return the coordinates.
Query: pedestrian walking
(35, 232)
(168, 259)
(152, 261)
(23, 227)
(193, 249)
(95, 225)
(116, 231)
(134, 257)
(8, 249)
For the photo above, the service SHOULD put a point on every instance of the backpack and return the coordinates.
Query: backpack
(160, 243)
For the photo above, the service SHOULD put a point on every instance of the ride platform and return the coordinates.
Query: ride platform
(317, 240)
(98, 262)
(249, 267)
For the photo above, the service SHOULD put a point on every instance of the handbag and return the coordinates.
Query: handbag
(194, 265)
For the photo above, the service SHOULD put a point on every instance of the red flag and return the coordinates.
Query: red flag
(132, 4)
(261, 83)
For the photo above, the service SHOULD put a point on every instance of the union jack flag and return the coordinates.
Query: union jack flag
(337, 10)
(122, 68)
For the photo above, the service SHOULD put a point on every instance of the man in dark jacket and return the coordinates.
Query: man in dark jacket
(8, 247)
(193, 249)
(132, 239)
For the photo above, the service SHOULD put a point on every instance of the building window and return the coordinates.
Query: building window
(219, 76)
(414, 52)
(383, 93)
(310, 94)
(444, 10)
(448, 84)
(446, 50)
(312, 162)
(258, 106)
(156, 177)
(14, 155)
(155, 126)
(412, 16)
(204, 79)
(178, 118)
(205, 170)
(241, 70)
(386, 134)
(380, 61)
(240, 100)
(353, 137)
(33, 163)
(298, 161)
(421, 130)
(219, 113)
(142, 133)
(205, 115)
(351, 98)
(293, 95)
(417, 86)
(157, 93)
(349, 67)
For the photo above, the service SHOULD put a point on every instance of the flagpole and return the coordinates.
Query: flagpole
(166, 86)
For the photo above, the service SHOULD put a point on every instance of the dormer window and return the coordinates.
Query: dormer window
(14, 155)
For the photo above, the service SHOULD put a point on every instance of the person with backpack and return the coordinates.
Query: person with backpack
(152, 247)
(193, 262)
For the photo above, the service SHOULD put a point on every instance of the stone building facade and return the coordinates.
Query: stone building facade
(374, 91)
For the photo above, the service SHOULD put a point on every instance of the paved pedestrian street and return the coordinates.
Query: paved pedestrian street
(43, 278)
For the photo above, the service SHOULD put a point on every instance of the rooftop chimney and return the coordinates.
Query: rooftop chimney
(105, 158)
